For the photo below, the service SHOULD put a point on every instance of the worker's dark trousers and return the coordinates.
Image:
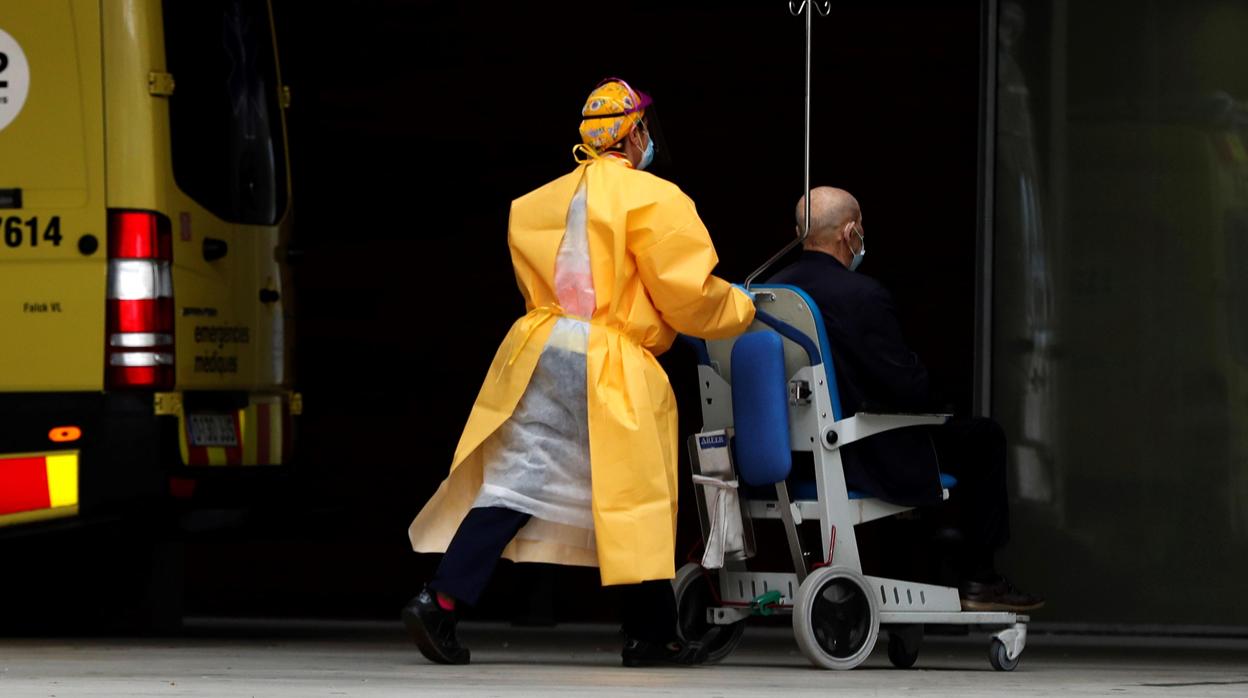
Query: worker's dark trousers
(648, 609)
(973, 450)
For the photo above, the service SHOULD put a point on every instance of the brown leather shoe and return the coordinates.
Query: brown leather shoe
(997, 595)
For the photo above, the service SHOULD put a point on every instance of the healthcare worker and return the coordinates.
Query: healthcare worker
(569, 453)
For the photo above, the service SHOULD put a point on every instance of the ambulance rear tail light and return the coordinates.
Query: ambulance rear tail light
(139, 324)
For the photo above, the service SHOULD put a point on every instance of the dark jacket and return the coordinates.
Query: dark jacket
(875, 372)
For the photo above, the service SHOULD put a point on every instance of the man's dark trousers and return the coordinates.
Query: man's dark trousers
(972, 449)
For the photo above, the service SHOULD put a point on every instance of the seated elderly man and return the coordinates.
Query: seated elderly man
(875, 368)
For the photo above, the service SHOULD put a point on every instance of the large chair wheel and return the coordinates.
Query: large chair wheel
(694, 596)
(836, 618)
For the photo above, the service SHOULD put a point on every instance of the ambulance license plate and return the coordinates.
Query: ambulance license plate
(213, 430)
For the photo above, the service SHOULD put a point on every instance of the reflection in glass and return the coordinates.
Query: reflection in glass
(1025, 336)
(1120, 364)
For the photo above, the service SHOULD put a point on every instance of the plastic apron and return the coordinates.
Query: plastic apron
(537, 462)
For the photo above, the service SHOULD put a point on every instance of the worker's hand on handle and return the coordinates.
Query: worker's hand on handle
(752, 294)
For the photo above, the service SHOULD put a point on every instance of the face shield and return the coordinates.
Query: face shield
(654, 127)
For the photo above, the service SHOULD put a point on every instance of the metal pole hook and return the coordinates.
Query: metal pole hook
(824, 8)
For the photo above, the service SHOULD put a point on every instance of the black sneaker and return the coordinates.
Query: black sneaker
(433, 629)
(997, 595)
(640, 653)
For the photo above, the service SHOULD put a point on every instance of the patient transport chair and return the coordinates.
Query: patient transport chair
(767, 394)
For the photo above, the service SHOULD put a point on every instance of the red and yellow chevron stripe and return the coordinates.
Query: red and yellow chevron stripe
(37, 486)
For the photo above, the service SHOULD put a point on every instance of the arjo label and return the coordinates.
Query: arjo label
(14, 79)
(716, 439)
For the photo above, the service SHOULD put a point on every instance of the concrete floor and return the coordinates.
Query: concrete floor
(364, 659)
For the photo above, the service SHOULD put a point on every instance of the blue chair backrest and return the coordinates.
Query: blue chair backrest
(799, 321)
(760, 409)
(796, 307)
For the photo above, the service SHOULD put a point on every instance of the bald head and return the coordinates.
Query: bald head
(830, 210)
(835, 217)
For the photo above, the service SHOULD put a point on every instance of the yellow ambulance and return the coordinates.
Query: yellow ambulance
(145, 316)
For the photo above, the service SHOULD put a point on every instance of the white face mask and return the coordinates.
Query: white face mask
(647, 158)
(862, 251)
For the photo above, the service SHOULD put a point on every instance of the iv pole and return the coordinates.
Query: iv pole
(807, 7)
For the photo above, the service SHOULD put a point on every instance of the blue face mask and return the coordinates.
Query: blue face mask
(648, 156)
(862, 252)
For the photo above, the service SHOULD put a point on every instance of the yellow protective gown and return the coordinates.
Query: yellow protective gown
(652, 260)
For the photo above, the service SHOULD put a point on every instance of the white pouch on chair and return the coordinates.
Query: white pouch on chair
(725, 533)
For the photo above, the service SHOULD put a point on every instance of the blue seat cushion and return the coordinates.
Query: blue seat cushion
(760, 408)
